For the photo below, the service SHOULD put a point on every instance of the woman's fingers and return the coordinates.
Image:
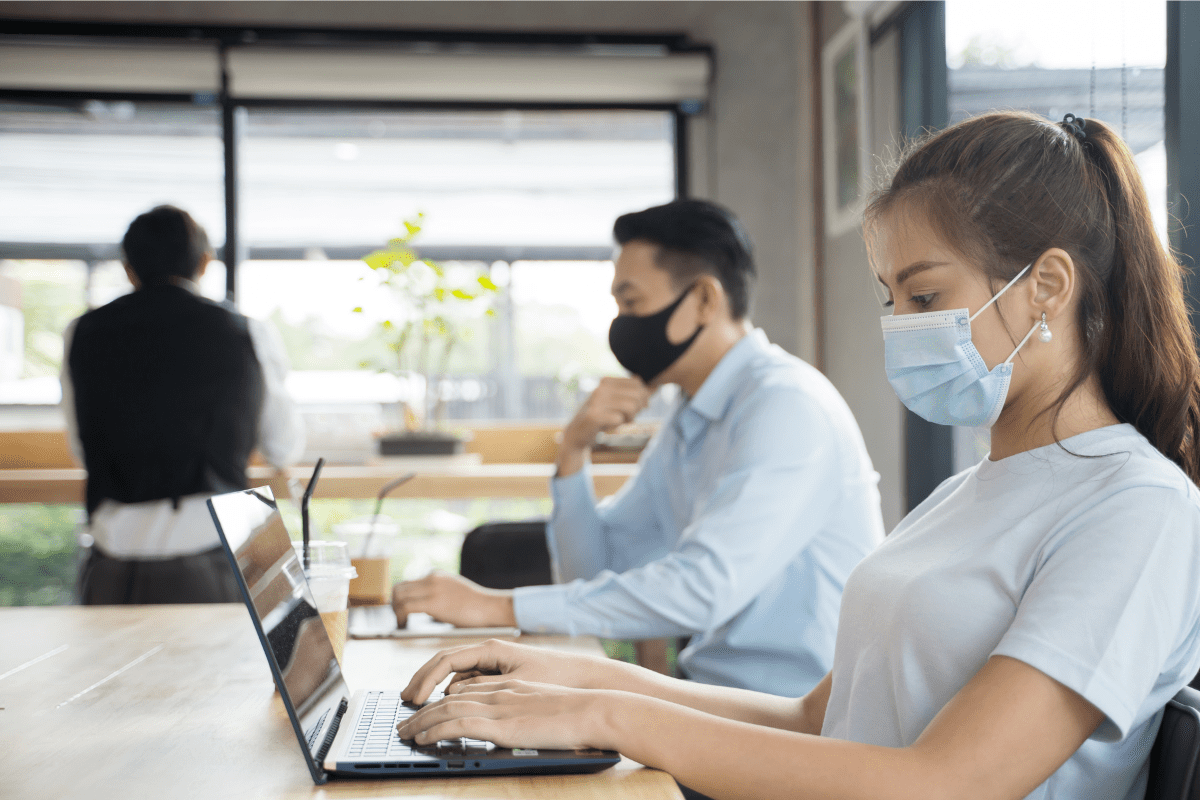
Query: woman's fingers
(442, 712)
(470, 727)
(490, 684)
(477, 658)
(475, 683)
(511, 714)
(438, 668)
(458, 677)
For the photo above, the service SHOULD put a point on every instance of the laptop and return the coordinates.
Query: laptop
(341, 733)
(379, 622)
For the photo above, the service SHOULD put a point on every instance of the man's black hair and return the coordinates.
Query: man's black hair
(696, 237)
(164, 243)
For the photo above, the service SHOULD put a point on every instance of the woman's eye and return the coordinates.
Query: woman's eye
(889, 303)
(923, 300)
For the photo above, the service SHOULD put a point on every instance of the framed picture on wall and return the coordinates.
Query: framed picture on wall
(846, 126)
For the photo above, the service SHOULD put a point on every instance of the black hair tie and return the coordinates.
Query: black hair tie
(1075, 126)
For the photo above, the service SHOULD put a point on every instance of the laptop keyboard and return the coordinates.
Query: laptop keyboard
(376, 737)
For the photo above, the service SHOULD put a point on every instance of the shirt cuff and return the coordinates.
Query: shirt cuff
(542, 609)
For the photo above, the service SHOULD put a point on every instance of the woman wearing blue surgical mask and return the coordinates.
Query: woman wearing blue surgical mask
(1019, 632)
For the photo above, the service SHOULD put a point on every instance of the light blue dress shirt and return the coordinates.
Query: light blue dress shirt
(749, 509)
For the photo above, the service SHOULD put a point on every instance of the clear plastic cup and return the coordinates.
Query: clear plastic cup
(329, 574)
(372, 543)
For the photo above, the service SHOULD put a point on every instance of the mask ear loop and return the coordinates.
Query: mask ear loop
(996, 296)
(1013, 354)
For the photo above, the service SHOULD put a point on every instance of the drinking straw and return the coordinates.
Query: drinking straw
(387, 487)
(312, 484)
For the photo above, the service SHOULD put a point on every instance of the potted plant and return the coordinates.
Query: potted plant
(428, 318)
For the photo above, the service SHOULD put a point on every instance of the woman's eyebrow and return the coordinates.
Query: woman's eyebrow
(916, 268)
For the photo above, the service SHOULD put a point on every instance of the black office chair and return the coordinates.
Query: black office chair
(505, 555)
(1176, 754)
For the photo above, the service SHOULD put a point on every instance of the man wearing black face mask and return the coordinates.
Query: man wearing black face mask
(750, 506)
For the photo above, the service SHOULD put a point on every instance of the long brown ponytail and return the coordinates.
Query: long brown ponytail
(1003, 188)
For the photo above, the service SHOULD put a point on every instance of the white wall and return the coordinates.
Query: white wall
(853, 342)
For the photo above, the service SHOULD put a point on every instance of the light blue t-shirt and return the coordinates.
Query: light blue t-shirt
(1086, 568)
(748, 511)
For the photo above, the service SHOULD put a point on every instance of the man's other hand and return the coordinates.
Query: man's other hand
(452, 598)
(615, 402)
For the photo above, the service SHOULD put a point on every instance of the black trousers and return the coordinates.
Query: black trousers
(203, 578)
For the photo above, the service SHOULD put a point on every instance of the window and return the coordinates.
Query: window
(72, 177)
(1108, 66)
(78, 173)
(527, 196)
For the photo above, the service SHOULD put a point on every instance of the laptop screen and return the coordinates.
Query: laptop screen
(278, 596)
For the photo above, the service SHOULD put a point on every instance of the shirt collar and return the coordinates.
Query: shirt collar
(184, 283)
(716, 393)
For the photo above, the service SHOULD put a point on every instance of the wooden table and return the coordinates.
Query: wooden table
(479, 480)
(177, 701)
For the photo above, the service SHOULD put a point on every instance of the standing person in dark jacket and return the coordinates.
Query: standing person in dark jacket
(166, 394)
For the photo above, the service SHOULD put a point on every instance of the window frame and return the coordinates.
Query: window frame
(225, 37)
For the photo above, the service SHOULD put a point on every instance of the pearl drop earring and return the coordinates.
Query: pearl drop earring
(1044, 333)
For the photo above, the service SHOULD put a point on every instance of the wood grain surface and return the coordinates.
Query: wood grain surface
(479, 480)
(177, 701)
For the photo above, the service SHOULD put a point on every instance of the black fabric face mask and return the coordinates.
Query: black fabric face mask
(641, 344)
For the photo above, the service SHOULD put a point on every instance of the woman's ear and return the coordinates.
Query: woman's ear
(1052, 284)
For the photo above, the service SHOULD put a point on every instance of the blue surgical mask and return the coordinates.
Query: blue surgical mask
(936, 371)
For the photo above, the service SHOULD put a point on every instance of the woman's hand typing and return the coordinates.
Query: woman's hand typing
(515, 713)
(499, 661)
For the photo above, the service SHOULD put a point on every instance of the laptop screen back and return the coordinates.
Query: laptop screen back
(301, 656)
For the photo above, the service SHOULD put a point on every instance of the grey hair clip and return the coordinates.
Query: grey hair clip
(1075, 126)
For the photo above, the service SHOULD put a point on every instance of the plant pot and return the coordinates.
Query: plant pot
(420, 443)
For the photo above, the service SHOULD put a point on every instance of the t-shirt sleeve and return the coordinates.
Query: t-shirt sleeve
(1111, 611)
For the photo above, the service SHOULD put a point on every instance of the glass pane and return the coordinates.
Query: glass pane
(563, 310)
(349, 180)
(40, 560)
(80, 173)
(320, 178)
(1101, 59)
(40, 299)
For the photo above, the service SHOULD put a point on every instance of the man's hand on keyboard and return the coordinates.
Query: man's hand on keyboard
(454, 599)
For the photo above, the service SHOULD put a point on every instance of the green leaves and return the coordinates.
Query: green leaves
(437, 302)
(393, 259)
